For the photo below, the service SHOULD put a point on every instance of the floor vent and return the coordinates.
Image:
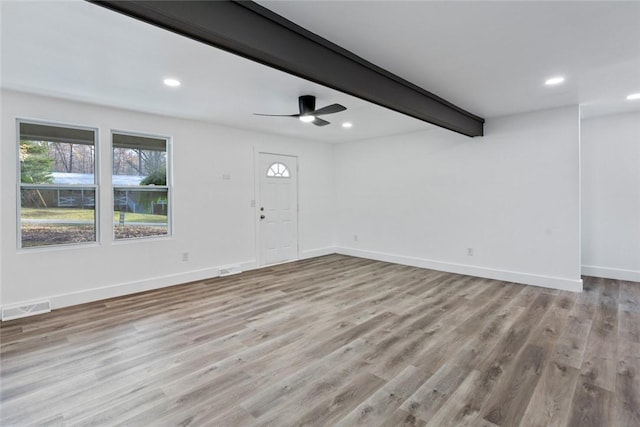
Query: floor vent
(228, 271)
(16, 312)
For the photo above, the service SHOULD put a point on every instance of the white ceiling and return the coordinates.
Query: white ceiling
(81, 51)
(490, 58)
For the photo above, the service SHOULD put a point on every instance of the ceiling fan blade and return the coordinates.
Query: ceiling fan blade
(306, 104)
(277, 115)
(329, 109)
(320, 122)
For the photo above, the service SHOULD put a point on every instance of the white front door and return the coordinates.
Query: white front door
(278, 208)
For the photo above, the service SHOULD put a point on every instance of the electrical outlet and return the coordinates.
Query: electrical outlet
(185, 256)
(355, 237)
(469, 251)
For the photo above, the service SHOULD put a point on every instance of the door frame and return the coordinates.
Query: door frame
(256, 208)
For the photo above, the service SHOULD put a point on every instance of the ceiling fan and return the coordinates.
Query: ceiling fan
(308, 112)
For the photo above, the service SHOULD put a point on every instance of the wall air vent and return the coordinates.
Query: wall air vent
(229, 270)
(16, 312)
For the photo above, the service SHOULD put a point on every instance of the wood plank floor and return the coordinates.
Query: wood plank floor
(330, 341)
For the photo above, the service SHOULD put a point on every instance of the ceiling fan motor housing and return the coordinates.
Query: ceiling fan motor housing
(306, 104)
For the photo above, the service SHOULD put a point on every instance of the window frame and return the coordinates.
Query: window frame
(95, 186)
(169, 187)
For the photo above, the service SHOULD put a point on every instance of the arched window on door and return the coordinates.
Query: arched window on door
(278, 170)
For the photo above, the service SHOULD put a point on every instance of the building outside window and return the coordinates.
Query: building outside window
(57, 184)
(141, 191)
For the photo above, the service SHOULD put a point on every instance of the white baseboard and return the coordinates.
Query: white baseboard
(313, 253)
(97, 294)
(573, 285)
(611, 273)
(249, 265)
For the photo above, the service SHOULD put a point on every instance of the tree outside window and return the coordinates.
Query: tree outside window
(140, 190)
(57, 184)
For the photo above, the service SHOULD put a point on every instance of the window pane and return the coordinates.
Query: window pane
(139, 160)
(56, 155)
(278, 170)
(141, 196)
(140, 212)
(57, 216)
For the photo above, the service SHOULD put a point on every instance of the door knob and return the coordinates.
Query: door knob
(261, 216)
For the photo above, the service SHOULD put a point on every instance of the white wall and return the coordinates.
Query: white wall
(513, 196)
(611, 197)
(212, 218)
(420, 199)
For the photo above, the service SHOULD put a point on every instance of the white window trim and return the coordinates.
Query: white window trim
(168, 187)
(95, 186)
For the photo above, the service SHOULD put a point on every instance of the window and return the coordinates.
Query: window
(278, 170)
(57, 184)
(140, 186)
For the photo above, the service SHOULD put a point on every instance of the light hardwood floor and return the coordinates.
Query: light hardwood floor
(331, 341)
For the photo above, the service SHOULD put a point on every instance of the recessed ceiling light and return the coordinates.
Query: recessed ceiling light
(307, 119)
(554, 81)
(172, 82)
(633, 96)
(347, 125)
